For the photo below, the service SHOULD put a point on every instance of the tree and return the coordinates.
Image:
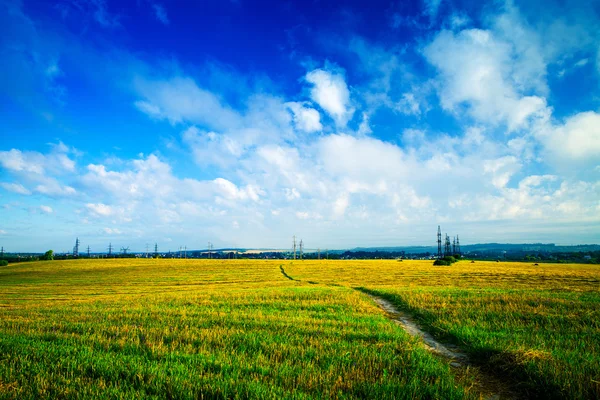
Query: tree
(49, 255)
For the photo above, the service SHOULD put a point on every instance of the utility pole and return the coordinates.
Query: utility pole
(301, 248)
(294, 247)
(447, 246)
(76, 248)
(439, 242)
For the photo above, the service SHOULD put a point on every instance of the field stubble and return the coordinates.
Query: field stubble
(240, 328)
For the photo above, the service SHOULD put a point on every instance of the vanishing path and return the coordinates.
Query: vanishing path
(490, 386)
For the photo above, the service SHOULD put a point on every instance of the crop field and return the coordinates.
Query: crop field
(145, 328)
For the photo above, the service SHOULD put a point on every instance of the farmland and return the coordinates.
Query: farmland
(291, 329)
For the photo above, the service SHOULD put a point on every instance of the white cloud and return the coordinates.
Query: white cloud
(331, 93)
(16, 188)
(54, 188)
(2, 232)
(306, 119)
(180, 99)
(17, 161)
(578, 139)
(99, 209)
(340, 205)
(480, 70)
(46, 209)
(111, 231)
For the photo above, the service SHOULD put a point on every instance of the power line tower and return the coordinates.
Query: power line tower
(294, 247)
(155, 250)
(209, 247)
(439, 241)
(185, 252)
(301, 248)
(2, 253)
(319, 253)
(110, 248)
(454, 246)
(88, 251)
(326, 254)
(125, 250)
(76, 248)
(146, 250)
(447, 246)
(458, 246)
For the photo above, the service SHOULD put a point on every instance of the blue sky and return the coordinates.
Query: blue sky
(343, 123)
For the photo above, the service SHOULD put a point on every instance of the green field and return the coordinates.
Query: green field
(273, 329)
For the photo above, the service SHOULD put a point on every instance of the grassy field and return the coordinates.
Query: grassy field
(274, 329)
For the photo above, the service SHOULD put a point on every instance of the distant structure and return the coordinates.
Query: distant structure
(447, 246)
(210, 247)
(439, 242)
(294, 247)
(110, 248)
(301, 248)
(319, 254)
(88, 251)
(155, 250)
(147, 250)
(2, 253)
(76, 248)
(124, 250)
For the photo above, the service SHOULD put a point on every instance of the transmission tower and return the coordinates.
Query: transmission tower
(447, 246)
(2, 253)
(209, 248)
(301, 248)
(458, 246)
(110, 248)
(319, 253)
(454, 246)
(439, 241)
(294, 247)
(76, 248)
(88, 251)
(155, 250)
(146, 250)
(124, 250)
(185, 252)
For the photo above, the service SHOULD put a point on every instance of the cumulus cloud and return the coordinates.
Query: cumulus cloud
(306, 119)
(46, 209)
(578, 139)
(331, 93)
(15, 188)
(99, 209)
(479, 69)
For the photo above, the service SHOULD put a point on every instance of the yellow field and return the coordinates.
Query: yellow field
(273, 329)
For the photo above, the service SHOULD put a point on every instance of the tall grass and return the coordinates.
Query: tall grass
(201, 329)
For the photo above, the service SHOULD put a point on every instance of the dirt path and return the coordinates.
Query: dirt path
(487, 385)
